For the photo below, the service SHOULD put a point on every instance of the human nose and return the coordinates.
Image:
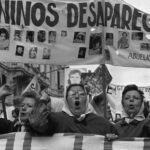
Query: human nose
(131, 99)
(77, 95)
(24, 107)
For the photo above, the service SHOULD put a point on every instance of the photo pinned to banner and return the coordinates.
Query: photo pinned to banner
(95, 44)
(63, 33)
(82, 52)
(137, 36)
(52, 37)
(30, 36)
(19, 50)
(109, 39)
(79, 37)
(18, 35)
(4, 37)
(33, 52)
(123, 42)
(145, 46)
(41, 36)
(46, 53)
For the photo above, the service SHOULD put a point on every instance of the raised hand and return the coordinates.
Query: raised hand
(6, 90)
(38, 119)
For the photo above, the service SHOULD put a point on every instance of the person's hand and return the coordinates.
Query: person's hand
(6, 90)
(38, 119)
(111, 136)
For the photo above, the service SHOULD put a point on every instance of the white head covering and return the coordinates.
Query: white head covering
(89, 109)
(139, 116)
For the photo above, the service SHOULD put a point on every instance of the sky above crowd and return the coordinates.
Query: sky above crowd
(129, 75)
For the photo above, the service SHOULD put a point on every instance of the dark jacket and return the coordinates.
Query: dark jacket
(92, 124)
(6, 126)
(133, 129)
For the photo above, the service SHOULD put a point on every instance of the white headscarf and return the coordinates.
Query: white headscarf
(89, 109)
(139, 116)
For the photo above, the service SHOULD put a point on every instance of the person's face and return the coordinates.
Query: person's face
(77, 100)
(124, 35)
(33, 53)
(19, 50)
(2, 36)
(26, 108)
(132, 102)
(75, 78)
(46, 52)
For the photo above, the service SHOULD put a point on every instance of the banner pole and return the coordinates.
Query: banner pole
(103, 65)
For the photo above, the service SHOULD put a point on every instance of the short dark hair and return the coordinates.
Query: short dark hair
(71, 85)
(3, 30)
(131, 87)
(74, 72)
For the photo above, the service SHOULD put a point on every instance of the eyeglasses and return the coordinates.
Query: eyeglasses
(74, 93)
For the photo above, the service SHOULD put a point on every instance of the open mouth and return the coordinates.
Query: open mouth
(77, 103)
(22, 114)
(131, 106)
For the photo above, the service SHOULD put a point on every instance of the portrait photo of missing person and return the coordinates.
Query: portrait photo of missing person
(17, 35)
(63, 33)
(82, 52)
(79, 37)
(95, 44)
(144, 46)
(30, 36)
(33, 52)
(46, 53)
(4, 38)
(74, 77)
(41, 36)
(52, 37)
(123, 42)
(137, 36)
(19, 50)
(109, 39)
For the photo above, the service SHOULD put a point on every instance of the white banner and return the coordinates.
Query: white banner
(127, 35)
(67, 32)
(23, 141)
(49, 32)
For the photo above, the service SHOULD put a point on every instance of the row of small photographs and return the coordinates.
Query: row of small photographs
(46, 52)
(41, 36)
(33, 52)
(79, 37)
(124, 38)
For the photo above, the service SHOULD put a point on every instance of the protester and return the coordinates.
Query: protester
(133, 122)
(75, 117)
(6, 126)
(29, 101)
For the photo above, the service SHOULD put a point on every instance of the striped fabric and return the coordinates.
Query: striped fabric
(23, 141)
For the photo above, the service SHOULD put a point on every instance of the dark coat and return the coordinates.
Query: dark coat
(133, 129)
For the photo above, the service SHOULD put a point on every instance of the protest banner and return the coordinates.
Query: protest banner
(24, 141)
(71, 32)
